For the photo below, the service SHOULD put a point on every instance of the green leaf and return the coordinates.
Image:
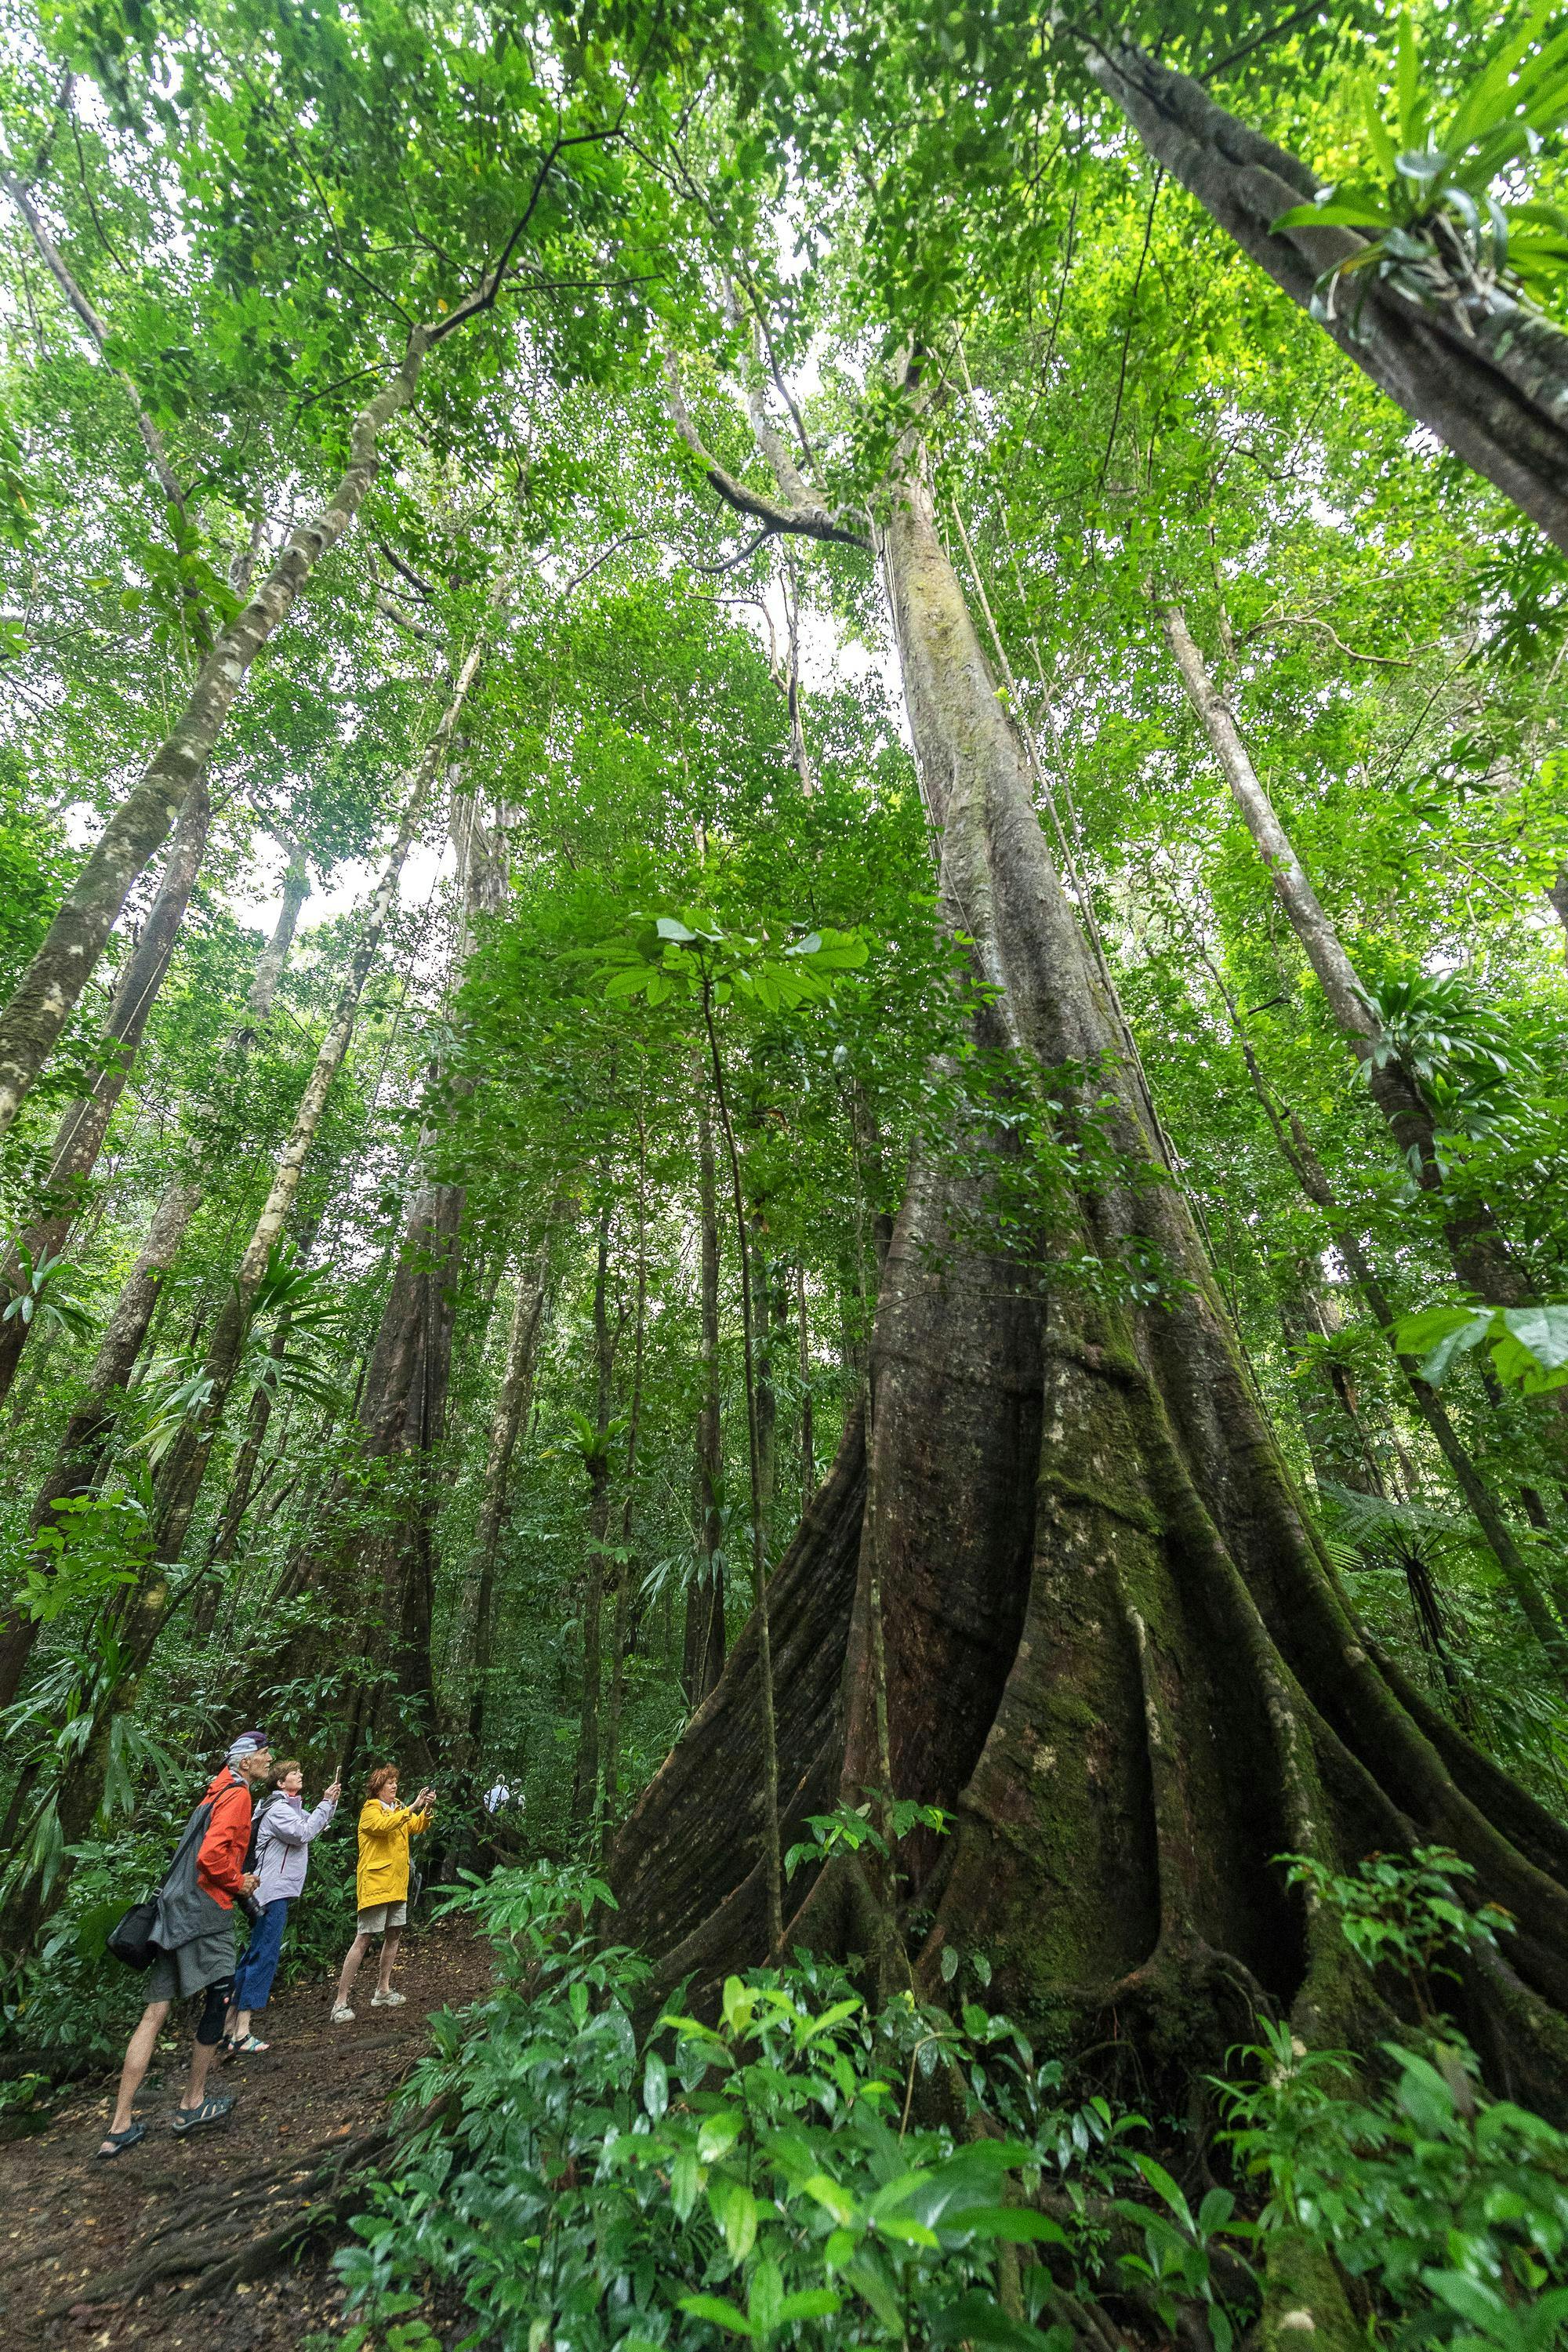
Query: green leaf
(721, 2313)
(832, 2199)
(1017, 2225)
(1541, 1331)
(718, 2134)
(734, 2209)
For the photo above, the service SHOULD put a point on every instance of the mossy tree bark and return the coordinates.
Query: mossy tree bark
(1115, 1650)
(81, 1132)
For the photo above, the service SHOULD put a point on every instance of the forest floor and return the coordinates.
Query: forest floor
(106, 2255)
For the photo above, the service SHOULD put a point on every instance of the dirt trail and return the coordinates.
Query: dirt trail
(106, 2255)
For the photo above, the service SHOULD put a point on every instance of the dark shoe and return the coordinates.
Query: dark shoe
(190, 2119)
(116, 2143)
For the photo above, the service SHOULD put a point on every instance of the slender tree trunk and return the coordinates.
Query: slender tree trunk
(86, 1123)
(807, 1425)
(185, 1466)
(475, 1646)
(759, 1275)
(1312, 1178)
(585, 1789)
(1487, 376)
(1330, 1421)
(30, 1026)
(144, 1610)
(772, 1824)
(274, 956)
(1112, 1645)
(625, 1577)
(1481, 1255)
(92, 1426)
(703, 1660)
(93, 1421)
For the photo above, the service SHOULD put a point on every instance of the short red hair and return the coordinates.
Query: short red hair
(379, 1779)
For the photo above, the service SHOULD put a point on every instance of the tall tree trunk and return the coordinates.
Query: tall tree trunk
(274, 956)
(807, 1419)
(1481, 1255)
(144, 1609)
(243, 1482)
(86, 1123)
(1115, 1651)
(185, 1466)
(586, 1779)
(31, 1024)
(475, 1646)
(93, 1418)
(759, 1274)
(702, 1658)
(92, 1426)
(1336, 1436)
(1310, 1175)
(1484, 374)
(403, 1411)
(625, 1577)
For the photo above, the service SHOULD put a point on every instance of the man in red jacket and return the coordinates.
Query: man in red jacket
(194, 1936)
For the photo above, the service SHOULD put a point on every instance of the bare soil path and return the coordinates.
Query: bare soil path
(150, 2250)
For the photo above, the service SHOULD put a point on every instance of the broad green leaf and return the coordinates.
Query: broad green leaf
(713, 2307)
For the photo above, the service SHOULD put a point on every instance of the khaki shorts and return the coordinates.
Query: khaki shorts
(380, 1916)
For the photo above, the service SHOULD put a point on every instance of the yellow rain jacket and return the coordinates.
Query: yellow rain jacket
(383, 1834)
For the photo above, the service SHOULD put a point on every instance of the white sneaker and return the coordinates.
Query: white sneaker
(343, 2014)
(379, 1999)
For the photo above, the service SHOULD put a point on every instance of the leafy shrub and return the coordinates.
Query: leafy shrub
(771, 2177)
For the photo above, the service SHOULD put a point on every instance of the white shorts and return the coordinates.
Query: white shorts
(380, 1916)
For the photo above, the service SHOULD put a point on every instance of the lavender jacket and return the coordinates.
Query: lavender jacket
(283, 1845)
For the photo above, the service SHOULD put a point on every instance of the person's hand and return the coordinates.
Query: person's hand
(249, 1881)
(424, 1801)
(332, 1794)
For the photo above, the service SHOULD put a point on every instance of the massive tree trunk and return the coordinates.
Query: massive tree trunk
(86, 1123)
(1487, 376)
(1080, 1606)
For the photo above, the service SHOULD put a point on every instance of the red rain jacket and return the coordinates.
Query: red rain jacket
(220, 1860)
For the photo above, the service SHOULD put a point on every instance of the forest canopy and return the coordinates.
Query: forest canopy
(783, 919)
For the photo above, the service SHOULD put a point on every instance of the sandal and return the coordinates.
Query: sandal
(190, 2119)
(248, 2048)
(116, 2143)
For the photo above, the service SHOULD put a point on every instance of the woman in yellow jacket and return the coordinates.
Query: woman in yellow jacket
(381, 1885)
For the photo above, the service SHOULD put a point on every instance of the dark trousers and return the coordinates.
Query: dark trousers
(253, 1978)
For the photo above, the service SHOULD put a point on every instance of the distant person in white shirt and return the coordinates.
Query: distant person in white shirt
(496, 1797)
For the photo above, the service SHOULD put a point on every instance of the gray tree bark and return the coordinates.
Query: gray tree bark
(1489, 378)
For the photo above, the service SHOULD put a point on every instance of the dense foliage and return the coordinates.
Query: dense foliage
(488, 961)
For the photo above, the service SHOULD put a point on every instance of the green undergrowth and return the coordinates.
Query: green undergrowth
(799, 2171)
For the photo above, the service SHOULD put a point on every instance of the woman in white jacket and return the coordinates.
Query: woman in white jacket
(282, 1834)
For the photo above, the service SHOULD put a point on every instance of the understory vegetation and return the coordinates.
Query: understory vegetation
(784, 929)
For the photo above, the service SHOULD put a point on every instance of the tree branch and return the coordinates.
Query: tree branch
(809, 519)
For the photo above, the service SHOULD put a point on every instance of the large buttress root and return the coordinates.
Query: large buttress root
(1072, 1597)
